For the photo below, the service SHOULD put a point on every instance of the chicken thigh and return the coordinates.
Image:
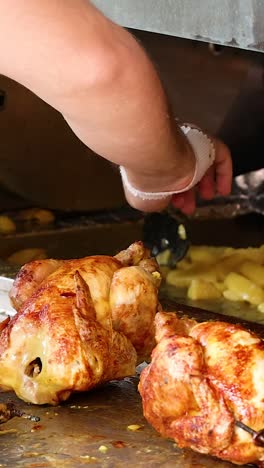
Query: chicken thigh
(79, 323)
(204, 380)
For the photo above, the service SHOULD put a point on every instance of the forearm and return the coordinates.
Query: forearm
(100, 79)
(129, 123)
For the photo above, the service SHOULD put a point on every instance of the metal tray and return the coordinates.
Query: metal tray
(75, 235)
(70, 435)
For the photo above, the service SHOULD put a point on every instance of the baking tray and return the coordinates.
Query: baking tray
(78, 235)
(72, 434)
(223, 307)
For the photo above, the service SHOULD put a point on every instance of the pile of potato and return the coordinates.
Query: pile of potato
(37, 216)
(29, 219)
(210, 273)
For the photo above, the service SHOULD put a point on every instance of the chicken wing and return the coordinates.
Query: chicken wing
(202, 381)
(79, 323)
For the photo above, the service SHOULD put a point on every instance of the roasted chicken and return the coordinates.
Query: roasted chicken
(79, 323)
(204, 388)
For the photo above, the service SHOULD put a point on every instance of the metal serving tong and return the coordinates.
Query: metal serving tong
(258, 436)
(166, 230)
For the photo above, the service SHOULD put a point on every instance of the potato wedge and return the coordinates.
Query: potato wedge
(227, 265)
(231, 296)
(38, 215)
(202, 290)
(205, 254)
(245, 289)
(183, 278)
(254, 272)
(255, 254)
(26, 255)
(7, 225)
(163, 257)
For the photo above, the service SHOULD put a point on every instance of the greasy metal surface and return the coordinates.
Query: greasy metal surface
(233, 23)
(70, 435)
(222, 307)
(75, 241)
(196, 311)
(108, 234)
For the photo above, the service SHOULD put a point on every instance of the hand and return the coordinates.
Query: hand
(216, 181)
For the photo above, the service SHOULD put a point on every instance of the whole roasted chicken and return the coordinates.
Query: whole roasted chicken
(79, 323)
(205, 388)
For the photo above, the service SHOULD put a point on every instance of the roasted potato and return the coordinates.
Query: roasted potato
(214, 272)
(37, 215)
(26, 255)
(254, 272)
(7, 225)
(201, 289)
(245, 289)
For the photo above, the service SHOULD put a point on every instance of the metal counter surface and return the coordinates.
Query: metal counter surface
(232, 23)
(70, 435)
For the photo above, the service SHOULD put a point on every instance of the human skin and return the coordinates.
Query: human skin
(101, 80)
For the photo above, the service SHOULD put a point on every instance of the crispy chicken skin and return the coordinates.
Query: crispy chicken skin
(79, 323)
(202, 379)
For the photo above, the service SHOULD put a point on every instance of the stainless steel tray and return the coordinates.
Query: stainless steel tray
(71, 434)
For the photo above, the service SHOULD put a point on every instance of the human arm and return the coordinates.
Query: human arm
(100, 79)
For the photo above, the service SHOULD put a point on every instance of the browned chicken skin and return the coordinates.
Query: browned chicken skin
(79, 323)
(202, 379)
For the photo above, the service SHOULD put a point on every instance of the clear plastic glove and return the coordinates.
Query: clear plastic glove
(216, 181)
